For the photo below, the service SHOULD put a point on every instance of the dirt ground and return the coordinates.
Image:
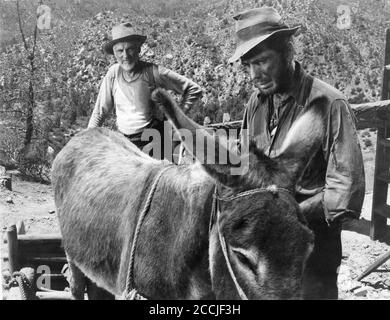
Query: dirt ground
(33, 203)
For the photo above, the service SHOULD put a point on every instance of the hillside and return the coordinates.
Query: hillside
(194, 38)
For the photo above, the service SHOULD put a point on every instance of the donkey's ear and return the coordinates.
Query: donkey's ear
(225, 175)
(210, 150)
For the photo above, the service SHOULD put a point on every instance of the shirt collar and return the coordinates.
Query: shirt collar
(299, 82)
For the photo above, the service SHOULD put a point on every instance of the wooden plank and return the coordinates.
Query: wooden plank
(40, 237)
(50, 259)
(46, 250)
(372, 111)
(12, 238)
(383, 210)
(380, 210)
(378, 220)
(371, 124)
(384, 142)
(385, 176)
(386, 72)
(375, 265)
(40, 245)
(55, 262)
(53, 295)
(369, 115)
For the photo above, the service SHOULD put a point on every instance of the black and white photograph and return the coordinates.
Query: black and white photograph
(205, 150)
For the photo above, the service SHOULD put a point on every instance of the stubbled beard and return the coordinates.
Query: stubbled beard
(269, 91)
(128, 66)
(282, 80)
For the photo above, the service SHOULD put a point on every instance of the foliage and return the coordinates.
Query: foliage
(193, 37)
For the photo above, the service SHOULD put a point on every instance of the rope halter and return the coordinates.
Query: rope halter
(215, 211)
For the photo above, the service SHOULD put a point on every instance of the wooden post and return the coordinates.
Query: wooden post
(5, 179)
(21, 229)
(379, 221)
(12, 238)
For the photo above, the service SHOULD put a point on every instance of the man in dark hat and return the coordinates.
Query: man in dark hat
(127, 87)
(332, 186)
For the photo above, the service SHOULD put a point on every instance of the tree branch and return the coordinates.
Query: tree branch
(20, 27)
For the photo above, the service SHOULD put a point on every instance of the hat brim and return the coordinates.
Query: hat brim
(246, 46)
(108, 47)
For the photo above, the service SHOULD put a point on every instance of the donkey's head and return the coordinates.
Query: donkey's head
(259, 241)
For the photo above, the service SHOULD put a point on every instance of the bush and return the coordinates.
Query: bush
(10, 145)
(367, 142)
(35, 163)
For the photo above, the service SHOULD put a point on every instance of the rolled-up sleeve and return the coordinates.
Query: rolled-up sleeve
(104, 103)
(345, 181)
(171, 80)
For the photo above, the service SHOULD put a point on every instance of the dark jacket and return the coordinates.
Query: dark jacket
(336, 171)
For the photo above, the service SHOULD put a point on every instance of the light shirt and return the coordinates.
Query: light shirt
(131, 99)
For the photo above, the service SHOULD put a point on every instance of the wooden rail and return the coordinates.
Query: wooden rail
(369, 115)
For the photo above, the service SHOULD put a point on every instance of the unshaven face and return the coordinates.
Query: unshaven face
(127, 54)
(268, 71)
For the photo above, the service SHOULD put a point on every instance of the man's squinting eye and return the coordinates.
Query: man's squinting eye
(261, 60)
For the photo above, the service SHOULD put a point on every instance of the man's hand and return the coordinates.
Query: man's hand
(312, 207)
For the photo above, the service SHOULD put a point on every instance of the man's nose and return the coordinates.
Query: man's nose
(126, 54)
(258, 72)
(254, 71)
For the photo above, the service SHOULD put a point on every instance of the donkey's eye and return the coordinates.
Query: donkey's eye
(245, 261)
(242, 258)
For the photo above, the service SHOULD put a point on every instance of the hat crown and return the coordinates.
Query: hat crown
(263, 15)
(256, 25)
(123, 30)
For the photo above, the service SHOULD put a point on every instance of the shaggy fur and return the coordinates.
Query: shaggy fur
(101, 181)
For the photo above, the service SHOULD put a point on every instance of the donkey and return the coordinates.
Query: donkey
(206, 232)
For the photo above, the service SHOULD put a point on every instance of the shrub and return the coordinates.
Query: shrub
(367, 142)
(35, 164)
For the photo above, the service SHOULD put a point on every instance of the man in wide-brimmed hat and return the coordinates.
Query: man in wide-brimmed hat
(332, 185)
(127, 88)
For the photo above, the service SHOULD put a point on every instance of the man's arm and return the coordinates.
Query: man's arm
(345, 181)
(104, 102)
(171, 80)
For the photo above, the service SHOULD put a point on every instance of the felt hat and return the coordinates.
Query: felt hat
(122, 33)
(256, 25)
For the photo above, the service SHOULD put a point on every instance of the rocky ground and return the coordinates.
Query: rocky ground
(359, 252)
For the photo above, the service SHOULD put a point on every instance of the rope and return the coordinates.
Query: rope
(130, 292)
(25, 286)
(216, 212)
(272, 188)
(222, 241)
